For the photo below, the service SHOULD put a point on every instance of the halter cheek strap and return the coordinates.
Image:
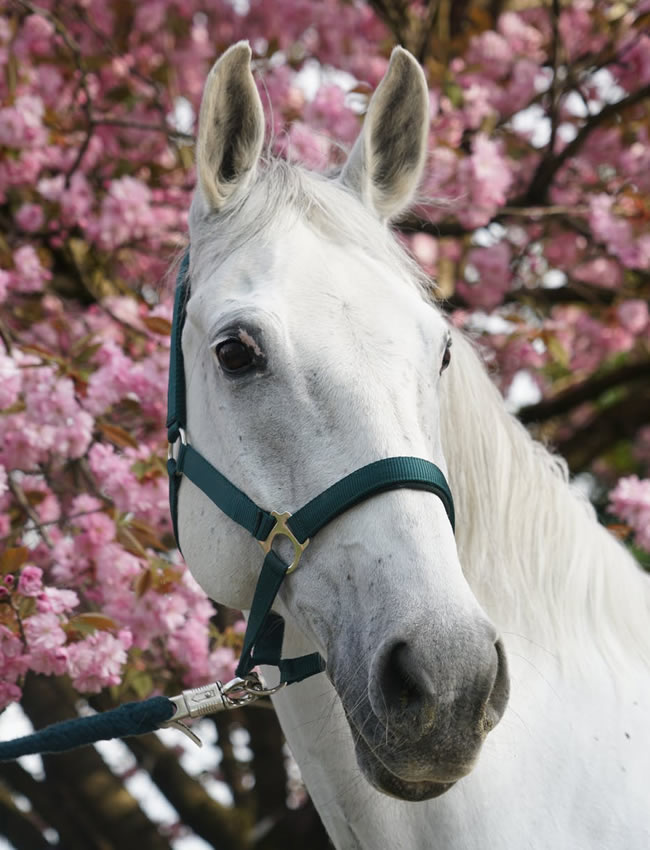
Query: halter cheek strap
(265, 629)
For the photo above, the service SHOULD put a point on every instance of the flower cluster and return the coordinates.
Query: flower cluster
(88, 584)
(630, 500)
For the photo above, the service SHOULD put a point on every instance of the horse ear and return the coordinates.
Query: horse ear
(231, 127)
(386, 162)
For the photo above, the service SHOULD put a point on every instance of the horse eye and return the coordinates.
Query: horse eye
(234, 357)
(446, 359)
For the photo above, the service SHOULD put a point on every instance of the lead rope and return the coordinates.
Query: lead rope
(265, 629)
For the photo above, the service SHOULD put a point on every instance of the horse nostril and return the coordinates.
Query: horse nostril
(498, 699)
(399, 682)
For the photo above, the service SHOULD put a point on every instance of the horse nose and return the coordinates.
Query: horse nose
(409, 689)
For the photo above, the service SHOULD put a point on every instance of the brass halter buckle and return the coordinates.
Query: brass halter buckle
(281, 527)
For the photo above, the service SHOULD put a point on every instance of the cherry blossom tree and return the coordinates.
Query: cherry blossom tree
(532, 220)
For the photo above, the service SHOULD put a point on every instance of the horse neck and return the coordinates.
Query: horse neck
(533, 550)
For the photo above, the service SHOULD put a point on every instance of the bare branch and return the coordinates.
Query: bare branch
(548, 168)
(141, 125)
(607, 428)
(224, 828)
(21, 498)
(554, 94)
(19, 827)
(588, 390)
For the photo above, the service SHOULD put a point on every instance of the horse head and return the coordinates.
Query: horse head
(310, 350)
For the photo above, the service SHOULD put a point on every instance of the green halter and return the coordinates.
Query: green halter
(265, 629)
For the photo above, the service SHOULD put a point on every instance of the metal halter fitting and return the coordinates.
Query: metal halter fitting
(213, 698)
(265, 629)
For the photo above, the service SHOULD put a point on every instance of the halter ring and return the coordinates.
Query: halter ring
(282, 528)
(182, 436)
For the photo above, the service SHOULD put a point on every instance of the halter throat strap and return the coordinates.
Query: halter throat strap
(265, 629)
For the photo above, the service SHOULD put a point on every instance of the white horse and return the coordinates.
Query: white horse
(310, 350)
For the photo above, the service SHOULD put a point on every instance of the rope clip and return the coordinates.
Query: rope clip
(210, 699)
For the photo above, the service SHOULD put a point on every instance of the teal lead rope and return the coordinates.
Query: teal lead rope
(132, 718)
(265, 629)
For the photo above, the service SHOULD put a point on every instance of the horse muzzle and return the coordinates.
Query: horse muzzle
(420, 725)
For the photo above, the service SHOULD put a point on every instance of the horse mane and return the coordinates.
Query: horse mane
(530, 544)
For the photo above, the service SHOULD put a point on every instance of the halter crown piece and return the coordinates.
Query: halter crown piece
(265, 629)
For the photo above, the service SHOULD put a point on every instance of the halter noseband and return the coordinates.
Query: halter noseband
(265, 629)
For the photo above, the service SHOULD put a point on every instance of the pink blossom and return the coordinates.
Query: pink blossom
(112, 381)
(97, 661)
(486, 177)
(10, 381)
(51, 404)
(22, 443)
(328, 110)
(35, 37)
(57, 600)
(30, 217)
(632, 68)
(21, 124)
(633, 315)
(520, 88)
(113, 473)
(51, 188)
(29, 274)
(634, 160)
(477, 103)
(491, 266)
(125, 213)
(76, 201)
(630, 500)
(48, 508)
(425, 249)
(577, 30)
(4, 487)
(523, 39)
(14, 663)
(9, 692)
(564, 249)
(306, 146)
(67, 563)
(30, 582)
(492, 53)
(46, 642)
(601, 271)
(617, 233)
(642, 445)
(5, 282)
(223, 663)
(49, 399)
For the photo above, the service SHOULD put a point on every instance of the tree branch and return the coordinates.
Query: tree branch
(620, 421)
(223, 828)
(129, 124)
(554, 95)
(393, 14)
(588, 390)
(18, 827)
(88, 799)
(21, 498)
(549, 166)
